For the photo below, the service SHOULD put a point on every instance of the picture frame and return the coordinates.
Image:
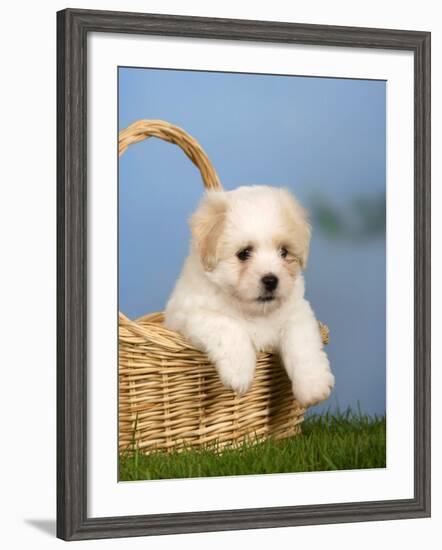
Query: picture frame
(73, 28)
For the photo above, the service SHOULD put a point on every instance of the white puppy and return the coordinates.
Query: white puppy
(241, 290)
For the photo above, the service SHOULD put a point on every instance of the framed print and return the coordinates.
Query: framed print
(243, 274)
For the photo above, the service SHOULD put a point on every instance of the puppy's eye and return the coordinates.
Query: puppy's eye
(283, 252)
(244, 254)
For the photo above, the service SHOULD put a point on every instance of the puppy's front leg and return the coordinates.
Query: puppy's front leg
(304, 359)
(227, 345)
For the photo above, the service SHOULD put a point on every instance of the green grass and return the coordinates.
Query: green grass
(342, 441)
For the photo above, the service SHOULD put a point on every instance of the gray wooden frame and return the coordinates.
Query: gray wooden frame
(73, 27)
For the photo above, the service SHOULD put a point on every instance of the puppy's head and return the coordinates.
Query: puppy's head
(252, 243)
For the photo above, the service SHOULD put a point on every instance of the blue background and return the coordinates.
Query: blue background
(323, 138)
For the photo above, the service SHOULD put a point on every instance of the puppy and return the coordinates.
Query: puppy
(241, 290)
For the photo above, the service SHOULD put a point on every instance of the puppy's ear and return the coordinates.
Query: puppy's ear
(207, 225)
(298, 226)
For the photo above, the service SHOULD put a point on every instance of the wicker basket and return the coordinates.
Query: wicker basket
(170, 395)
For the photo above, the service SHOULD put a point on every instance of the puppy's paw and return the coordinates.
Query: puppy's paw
(313, 383)
(236, 370)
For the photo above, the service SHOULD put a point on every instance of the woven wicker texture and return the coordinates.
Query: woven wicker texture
(170, 395)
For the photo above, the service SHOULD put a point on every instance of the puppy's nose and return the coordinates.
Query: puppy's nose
(270, 281)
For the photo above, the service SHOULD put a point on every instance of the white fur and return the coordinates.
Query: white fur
(216, 301)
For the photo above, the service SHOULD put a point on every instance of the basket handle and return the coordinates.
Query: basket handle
(144, 129)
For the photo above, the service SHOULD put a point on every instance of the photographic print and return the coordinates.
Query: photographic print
(252, 273)
(243, 274)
